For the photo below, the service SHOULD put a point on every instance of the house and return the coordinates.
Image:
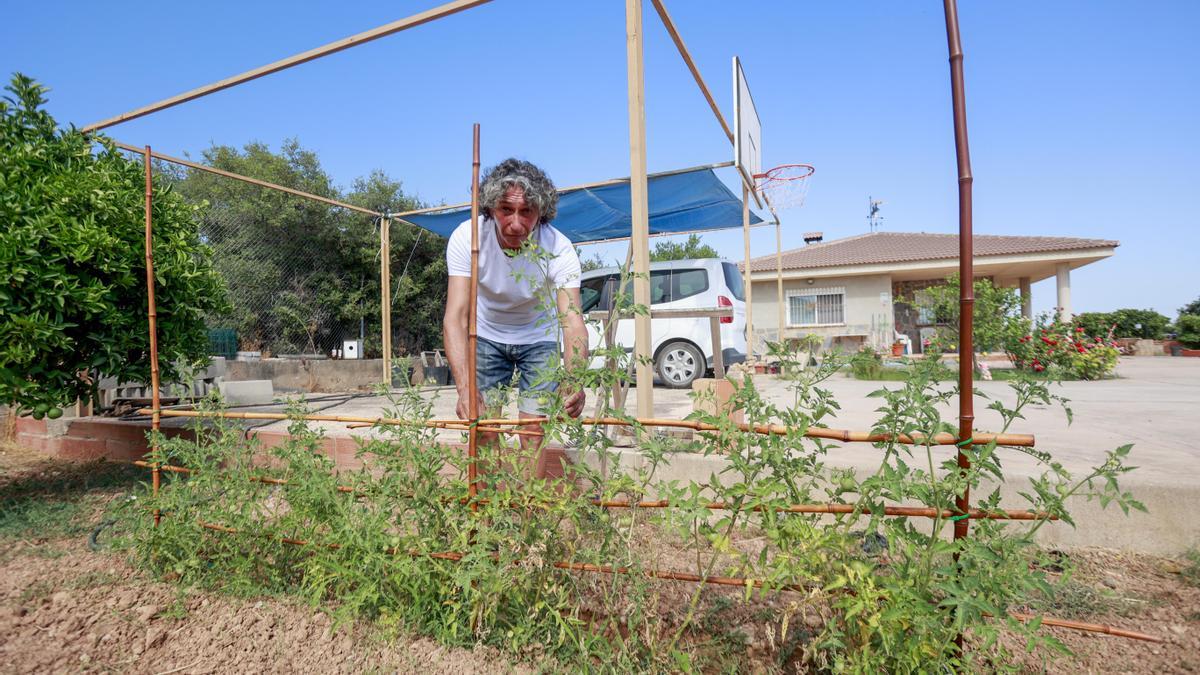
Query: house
(853, 291)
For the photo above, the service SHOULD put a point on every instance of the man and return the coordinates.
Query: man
(528, 289)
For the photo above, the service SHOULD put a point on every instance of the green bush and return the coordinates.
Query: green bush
(866, 364)
(1188, 327)
(72, 250)
(1063, 348)
(1146, 324)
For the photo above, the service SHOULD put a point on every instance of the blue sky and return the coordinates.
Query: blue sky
(1082, 114)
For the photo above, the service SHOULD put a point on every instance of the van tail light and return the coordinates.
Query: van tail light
(723, 301)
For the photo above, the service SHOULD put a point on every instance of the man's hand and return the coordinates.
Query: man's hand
(573, 403)
(463, 409)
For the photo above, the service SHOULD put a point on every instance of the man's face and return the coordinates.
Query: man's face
(515, 219)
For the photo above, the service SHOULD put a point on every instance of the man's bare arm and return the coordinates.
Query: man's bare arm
(575, 342)
(454, 338)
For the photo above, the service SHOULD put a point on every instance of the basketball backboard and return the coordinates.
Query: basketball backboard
(747, 131)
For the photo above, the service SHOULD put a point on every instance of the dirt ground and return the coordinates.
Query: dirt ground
(66, 608)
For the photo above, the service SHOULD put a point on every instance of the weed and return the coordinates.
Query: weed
(1191, 569)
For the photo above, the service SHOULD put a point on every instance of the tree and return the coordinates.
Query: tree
(1192, 308)
(592, 262)
(303, 275)
(673, 250)
(997, 315)
(73, 306)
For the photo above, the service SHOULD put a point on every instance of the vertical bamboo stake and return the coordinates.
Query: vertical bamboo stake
(748, 291)
(966, 268)
(472, 334)
(385, 302)
(966, 271)
(152, 314)
(639, 205)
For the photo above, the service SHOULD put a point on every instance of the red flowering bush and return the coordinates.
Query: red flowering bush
(1065, 347)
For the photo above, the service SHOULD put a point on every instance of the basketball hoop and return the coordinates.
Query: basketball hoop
(785, 186)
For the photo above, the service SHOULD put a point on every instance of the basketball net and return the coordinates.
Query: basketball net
(785, 186)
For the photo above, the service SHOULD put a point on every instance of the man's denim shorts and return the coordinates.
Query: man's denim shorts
(495, 363)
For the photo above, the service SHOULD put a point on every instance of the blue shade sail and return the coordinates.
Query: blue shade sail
(682, 202)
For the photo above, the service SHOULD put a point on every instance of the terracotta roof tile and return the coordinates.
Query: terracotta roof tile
(897, 247)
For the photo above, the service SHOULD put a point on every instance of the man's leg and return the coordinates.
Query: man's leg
(494, 369)
(534, 363)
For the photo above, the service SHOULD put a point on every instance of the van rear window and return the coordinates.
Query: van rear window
(733, 279)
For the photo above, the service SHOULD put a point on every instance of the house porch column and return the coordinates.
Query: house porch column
(1064, 291)
(1026, 297)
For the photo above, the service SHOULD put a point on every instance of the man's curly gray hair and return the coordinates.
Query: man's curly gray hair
(539, 189)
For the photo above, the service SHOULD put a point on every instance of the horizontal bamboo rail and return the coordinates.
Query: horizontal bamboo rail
(247, 179)
(828, 508)
(1087, 627)
(303, 57)
(843, 435)
(670, 575)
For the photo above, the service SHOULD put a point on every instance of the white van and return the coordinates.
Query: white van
(682, 348)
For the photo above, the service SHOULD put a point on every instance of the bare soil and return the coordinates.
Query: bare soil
(66, 608)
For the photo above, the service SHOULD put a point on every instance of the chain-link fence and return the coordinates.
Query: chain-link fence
(302, 277)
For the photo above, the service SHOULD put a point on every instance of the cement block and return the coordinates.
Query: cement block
(216, 368)
(717, 402)
(245, 392)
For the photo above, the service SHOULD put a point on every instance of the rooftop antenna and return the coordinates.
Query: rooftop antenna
(874, 220)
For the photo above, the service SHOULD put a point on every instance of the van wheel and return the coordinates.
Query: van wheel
(679, 363)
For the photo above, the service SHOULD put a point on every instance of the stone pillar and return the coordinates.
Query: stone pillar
(1064, 291)
(1026, 298)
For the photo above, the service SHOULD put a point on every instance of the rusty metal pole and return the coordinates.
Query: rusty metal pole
(966, 274)
(472, 333)
(152, 314)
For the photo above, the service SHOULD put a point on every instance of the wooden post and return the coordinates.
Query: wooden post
(714, 326)
(749, 291)
(152, 315)
(385, 296)
(472, 332)
(640, 239)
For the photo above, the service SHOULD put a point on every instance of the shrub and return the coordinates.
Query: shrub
(866, 364)
(1124, 323)
(72, 249)
(1056, 346)
(1188, 327)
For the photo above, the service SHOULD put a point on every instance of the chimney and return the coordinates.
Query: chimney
(813, 237)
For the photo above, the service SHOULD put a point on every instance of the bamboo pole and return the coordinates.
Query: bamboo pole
(687, 59)
(282, 64)
(966, 272)
(842, 435)
(472, 326)
(639, 204)
(246, 179)
(670, 575)
(385, 296)
(152, 317)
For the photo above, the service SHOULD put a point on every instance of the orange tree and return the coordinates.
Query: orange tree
(72, 263)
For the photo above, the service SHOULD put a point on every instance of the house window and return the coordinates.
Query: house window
(817, 307)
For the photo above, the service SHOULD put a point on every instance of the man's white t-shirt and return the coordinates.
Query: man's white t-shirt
(518, 299)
